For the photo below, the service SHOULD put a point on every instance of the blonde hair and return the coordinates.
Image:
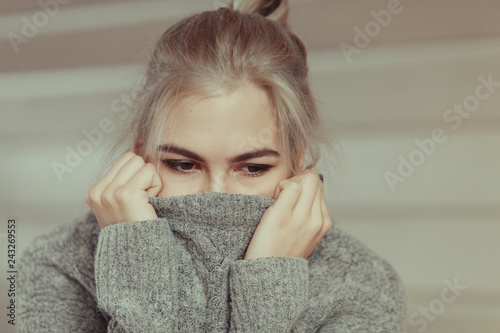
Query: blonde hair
(217, 52)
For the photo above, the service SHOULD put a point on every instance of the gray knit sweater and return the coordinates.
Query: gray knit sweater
(184, 272)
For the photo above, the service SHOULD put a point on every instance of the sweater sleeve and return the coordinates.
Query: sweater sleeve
(378, 309)
(268, 294)
(355, 290)
(50, 299)
(135, 274)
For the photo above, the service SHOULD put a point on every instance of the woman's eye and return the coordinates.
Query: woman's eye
(252, 170)
(179, 167)
(255, 170)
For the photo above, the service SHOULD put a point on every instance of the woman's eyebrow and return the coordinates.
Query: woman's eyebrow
(236, 159)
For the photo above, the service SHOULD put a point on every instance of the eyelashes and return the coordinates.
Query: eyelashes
(185, 167)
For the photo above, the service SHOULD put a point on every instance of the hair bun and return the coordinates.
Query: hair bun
(276, 10)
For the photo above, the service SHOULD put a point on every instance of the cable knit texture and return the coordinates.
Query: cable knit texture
(184, 272)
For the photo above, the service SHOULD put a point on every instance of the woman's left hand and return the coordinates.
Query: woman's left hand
(295, 224)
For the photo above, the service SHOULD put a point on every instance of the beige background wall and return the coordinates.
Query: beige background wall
(439, 226)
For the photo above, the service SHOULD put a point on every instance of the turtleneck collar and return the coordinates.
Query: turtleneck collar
(214, 226)
(216, 209)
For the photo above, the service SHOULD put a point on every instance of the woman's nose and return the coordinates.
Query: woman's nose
(217, 183)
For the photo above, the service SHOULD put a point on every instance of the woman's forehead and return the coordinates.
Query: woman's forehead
(247, 111)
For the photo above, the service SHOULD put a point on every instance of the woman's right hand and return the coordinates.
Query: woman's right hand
(122, 195)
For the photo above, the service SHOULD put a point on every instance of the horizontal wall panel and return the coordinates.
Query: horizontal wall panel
(369, 98)
(410, 21)
(462, 170)
(413, 91)
(428, 252)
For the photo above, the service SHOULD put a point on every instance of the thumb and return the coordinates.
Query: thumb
(277, 191)
(281, 185)
(156, 185)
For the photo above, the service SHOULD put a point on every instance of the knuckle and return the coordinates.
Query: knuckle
(312, 176)
(135, 161)
(126, 157)
(107, 197)
(122, 193)
(149, 167)
(326, 226)
(138, 159)
(92, 195)
(293, 186)
(329, 225)
(316, 225)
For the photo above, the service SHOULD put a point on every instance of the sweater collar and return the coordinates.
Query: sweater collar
(214, 226)
(216, 209)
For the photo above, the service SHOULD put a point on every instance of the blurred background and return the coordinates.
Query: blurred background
(413, 87)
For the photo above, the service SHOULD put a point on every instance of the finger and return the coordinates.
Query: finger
(156, 185)
(326, 216)
(126, 172)
(283, 183)
(279, 188)
(110, 175)
(288, 197)
(146, 179)
(317, 213)
(309, 188)
(277, 192)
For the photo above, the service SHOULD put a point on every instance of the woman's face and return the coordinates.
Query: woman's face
(227, 143)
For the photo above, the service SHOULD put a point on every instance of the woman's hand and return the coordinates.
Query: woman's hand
(295, 224)
(122, 195)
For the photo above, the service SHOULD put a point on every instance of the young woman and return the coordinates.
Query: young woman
(211, 221)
